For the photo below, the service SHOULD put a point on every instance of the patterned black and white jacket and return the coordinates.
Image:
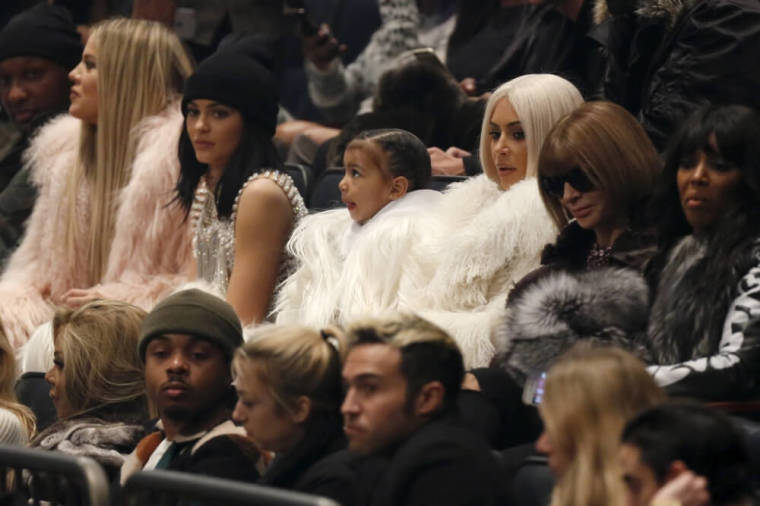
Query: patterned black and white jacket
(704, 325)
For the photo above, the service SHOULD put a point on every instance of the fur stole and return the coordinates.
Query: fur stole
(665, 10)
(474, 247)
(694, 293)
(151, 248)
(345, 271)
(608, 305)
(109, 443)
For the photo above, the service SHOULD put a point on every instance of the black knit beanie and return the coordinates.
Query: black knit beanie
(44, 30)
(195, 313)
(237, 80)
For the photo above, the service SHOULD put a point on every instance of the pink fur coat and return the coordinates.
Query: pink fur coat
(150, 253)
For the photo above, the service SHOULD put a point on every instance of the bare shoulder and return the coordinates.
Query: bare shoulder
(263, 193)
(263, 198)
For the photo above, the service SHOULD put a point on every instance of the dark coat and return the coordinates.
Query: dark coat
(228, 456)
(563, 302)
(674, 55)
(17, 199)
(704, 326)
(443, 464)
(311, 466)
(549, 42)
(633, 249)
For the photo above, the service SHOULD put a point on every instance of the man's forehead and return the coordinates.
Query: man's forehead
(179, 340)
(15, 62)
(375, 359)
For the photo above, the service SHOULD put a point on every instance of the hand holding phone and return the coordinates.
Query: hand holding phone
(322, 47)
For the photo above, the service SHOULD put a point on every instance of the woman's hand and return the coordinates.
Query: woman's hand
(449, 162)
(77, 297)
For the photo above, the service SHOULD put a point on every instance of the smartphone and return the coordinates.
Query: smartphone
(533, 392)
(296, 9)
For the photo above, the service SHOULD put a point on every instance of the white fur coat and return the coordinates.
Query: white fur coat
(150, 253)
(473, 248)
(346, 271)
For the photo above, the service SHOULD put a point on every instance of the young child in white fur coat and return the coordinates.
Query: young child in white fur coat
(350, 262)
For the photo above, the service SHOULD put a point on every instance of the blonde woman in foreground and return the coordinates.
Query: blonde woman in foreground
(590, 394)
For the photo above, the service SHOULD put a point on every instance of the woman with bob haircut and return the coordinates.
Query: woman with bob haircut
(288, 380)
(242, 206)
(97, 383)
(704, 324)
(101, 226)
(596, 171)
(590, 394)
(488, 231)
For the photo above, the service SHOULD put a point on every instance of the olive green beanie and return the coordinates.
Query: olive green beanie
(195, 313)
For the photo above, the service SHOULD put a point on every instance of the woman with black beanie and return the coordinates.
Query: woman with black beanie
(241, 206)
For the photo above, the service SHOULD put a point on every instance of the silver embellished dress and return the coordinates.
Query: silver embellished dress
(214, 237)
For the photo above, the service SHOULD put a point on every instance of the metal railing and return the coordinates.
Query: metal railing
(46, 477)
(160, 487)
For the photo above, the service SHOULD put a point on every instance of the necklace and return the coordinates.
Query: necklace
(598, 257)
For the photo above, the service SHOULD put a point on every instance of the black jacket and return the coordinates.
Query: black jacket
(674, 56)
(443, 464)
(632, 249)
(704, 326)
(313, 466)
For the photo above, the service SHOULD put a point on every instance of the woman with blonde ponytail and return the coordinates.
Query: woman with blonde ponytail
(102, 225)
(288, 380)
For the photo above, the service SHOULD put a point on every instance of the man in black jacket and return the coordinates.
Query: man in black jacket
(38, 48)
(187, 342)
(403, 375)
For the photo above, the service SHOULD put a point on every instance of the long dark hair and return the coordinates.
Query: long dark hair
(737, 133)
(255, 152)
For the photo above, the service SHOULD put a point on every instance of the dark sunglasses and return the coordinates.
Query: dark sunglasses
(555, 185)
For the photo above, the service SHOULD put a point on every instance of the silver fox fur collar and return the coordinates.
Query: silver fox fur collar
(608, 305)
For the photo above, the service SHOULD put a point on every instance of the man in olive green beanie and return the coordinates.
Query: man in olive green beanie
(187, 342)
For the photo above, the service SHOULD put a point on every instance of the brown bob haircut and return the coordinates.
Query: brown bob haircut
(607, 143)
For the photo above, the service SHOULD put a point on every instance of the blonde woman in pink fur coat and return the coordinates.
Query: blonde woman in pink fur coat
(102, 226)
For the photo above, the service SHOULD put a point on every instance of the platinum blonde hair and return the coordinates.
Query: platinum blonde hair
(539, 100)
(141, 69)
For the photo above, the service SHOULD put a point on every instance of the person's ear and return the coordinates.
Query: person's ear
(429, 399)
(674, 469)
(399, 187)
(302, 409)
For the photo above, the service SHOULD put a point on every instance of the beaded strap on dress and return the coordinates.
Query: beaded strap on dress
(285, 182)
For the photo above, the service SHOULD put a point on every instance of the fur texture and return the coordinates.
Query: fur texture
(107, 442)
(668, 10)
(346, 271)
(704, 320)
(473, 248)
(605, 305)
(150, 252)
(694, 293)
